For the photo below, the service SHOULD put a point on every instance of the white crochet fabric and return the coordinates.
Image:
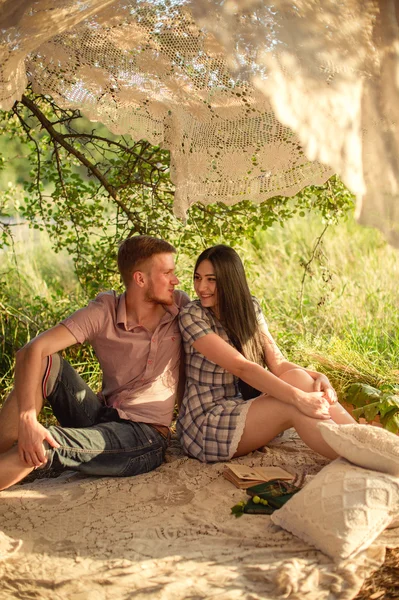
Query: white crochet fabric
(342, 510)
(368, 447)
(168, 535)
(8, 546)
(224, 85)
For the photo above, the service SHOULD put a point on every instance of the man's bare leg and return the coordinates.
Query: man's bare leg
(9, 416)
(8, 422)
(12, 469)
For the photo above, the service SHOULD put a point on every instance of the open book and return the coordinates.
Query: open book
(244, 477)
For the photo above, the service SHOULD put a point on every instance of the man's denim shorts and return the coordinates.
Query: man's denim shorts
(93, 438)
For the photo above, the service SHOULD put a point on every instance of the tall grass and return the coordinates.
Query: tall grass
(343, 319)
(344, 316)
(38, 288)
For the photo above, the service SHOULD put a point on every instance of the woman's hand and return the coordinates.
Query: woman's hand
(312, 404)
(322, 384)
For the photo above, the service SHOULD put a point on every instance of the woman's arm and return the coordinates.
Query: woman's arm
(215, 349)
(278, 365)
(322, 384)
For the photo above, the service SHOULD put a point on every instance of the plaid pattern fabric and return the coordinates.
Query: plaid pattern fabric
(212, 404)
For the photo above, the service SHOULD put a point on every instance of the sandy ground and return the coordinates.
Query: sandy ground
(166, 535)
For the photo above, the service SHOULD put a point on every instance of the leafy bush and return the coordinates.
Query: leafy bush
(90, 189)
(371, 402)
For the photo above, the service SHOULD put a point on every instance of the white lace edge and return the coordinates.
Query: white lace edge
(239, 430)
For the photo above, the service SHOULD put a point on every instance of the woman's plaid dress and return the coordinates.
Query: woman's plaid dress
(213, 412)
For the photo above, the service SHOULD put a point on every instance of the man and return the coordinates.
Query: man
(125, 430)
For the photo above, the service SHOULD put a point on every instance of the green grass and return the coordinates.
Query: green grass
(344, 319)
(38, 288)
(346, 323)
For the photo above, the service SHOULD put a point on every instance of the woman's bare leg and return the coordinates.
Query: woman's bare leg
(300, 379)
(267, 417)
(341, 416)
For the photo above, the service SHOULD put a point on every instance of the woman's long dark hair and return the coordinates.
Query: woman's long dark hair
(235, 304)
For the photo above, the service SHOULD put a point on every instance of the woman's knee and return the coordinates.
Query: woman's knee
(298, 378)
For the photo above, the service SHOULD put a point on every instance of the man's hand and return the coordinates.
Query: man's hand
(30, 441)
(322, 384)
(312, 404)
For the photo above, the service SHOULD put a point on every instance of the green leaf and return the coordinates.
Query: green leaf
(392, 423)
(390, 388)
(371, 410)
(387, 403)
(387, 416)
(360, 394)
(358, 412)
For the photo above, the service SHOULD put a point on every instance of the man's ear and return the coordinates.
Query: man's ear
(139, 278)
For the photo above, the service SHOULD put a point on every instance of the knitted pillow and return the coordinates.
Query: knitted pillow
(342, 510)
(363, 445)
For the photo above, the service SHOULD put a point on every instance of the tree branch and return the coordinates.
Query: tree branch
(26, 128)
(110, 142)
(133, 216)
(306, 270)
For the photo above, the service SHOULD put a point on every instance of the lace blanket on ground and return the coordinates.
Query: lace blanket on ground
(166, 535)
(224, 85)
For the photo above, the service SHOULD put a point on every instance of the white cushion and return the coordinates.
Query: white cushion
(342, 510)
(364, 445)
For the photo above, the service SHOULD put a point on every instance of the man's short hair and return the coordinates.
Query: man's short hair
(134, 251)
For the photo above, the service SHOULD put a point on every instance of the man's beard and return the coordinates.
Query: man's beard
(151, 297)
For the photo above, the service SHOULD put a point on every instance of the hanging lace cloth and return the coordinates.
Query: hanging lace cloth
(253, 98)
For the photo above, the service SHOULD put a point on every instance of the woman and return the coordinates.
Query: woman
(228, 345)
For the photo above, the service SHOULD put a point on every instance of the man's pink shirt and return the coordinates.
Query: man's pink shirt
(140, 367)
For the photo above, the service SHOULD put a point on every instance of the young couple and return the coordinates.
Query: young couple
(232, 403)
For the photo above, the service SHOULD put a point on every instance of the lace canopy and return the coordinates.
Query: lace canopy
(253, 98)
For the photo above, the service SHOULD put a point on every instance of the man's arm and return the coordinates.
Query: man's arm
(28, 379)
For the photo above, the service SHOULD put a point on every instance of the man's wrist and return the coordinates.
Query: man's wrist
(28, 415)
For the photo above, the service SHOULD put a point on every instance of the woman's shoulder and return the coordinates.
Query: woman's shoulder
(257, 305)
(192, 308)
(194, 312)
(195, 321)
